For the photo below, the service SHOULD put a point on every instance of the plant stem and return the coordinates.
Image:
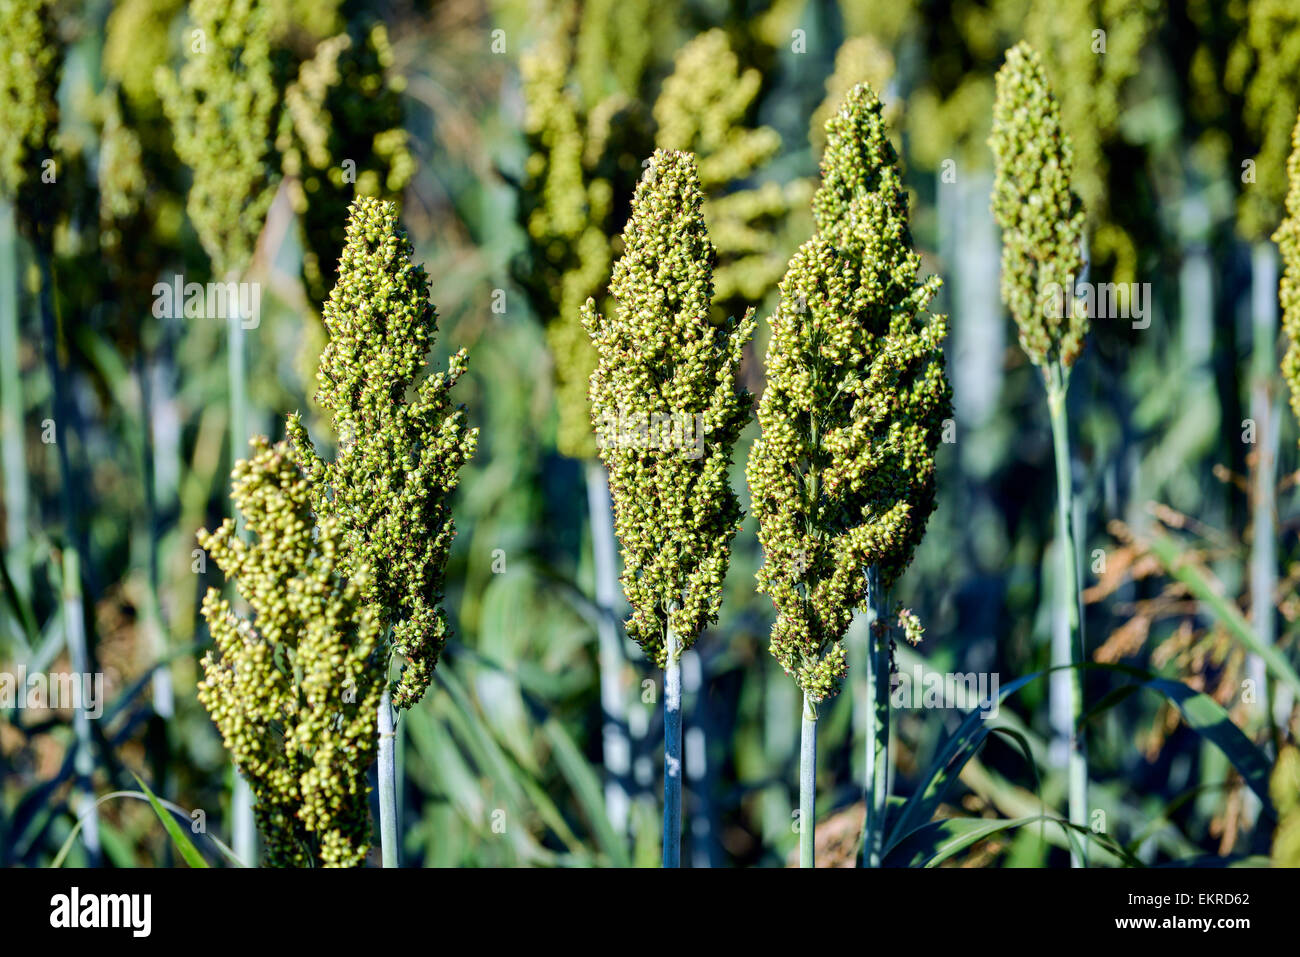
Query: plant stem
(672, 842)
(876, 791)
(11, 407)
(244, 829)
(75, 638)
(1069, 652)
(74, 631)
(1263, 547)
(387, 785)
(808, 785)
(616, 749)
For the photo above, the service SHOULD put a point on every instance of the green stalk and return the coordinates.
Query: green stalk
(388, 838)
(616, 749)
(244, 828)
(1068, 600)
(1264, 410)
(11, 407)
(672, 841)
(876, 793)
(74, 631)
(808, 785)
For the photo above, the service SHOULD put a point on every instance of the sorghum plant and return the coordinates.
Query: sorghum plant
(667, 407)
(842, 476)
(1287, 238)
(344, 108)
(295, 689)
(223, 107)
(1042, 222)
(401, 444)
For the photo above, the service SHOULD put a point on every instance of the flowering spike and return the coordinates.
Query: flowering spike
(842, 476)
(1287, 238)
(223, 107)
(667, 407)
(30, 59)
(295, 690)
(401, 441)
(1041, 216)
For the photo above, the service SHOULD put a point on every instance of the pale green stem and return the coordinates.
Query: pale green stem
(615, 746)
(11, 407)
(672, 840)
(244, 829)
(1068, 601)
(876, 793)
(808, 784)
(388, 831)
(75, 638)
(1263, 547)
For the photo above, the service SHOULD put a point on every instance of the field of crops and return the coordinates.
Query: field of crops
(624, 433)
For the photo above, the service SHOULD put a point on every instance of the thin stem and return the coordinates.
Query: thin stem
(244, 829)
(11, 407)
(876, 792)
(1068, 601)
(74, 631)
(808, 785)
(387, 785)
(615, 745)
(672, 841)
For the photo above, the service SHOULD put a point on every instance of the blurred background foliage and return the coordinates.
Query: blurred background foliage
(513, 131)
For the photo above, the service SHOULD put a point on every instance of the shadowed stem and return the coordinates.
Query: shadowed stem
(876, 793)
(11, 407)
(1070, 652)
(387, 785)
(616, 749)
(74, 631)
(672, 843)
(808, 784)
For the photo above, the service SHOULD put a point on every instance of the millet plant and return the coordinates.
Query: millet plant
(223, 106)
(401, 444)
(842, 476)
(294, 689)
(667, 409)
(1042, 222)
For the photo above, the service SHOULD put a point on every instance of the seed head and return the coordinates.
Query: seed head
(664, 366)
(1287, 238)
(1041, 216)
(30, 60)
(295, 687)
(842, 476)
(401, 441)
(224, 107)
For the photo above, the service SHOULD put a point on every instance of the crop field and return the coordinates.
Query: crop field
(650, 433)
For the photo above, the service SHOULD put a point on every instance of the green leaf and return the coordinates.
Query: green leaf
(184, 846)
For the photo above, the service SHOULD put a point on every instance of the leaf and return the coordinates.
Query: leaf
(939, 840)
(184, 846)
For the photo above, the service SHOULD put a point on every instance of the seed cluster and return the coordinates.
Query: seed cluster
(842, 476)
(674, 511)
(29, 111)
(401, 441)
(586, 144)
(224, 108)
(344, 108)
(1287, 238)
(1041, 216)
(295, 691)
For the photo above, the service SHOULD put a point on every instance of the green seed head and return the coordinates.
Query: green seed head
(1287, 238)
(667, 407)
(1042, 218)
(294, 687)
(341, 136)
(401, 440)
(30, 59)
(223, 107)
(842, 476)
